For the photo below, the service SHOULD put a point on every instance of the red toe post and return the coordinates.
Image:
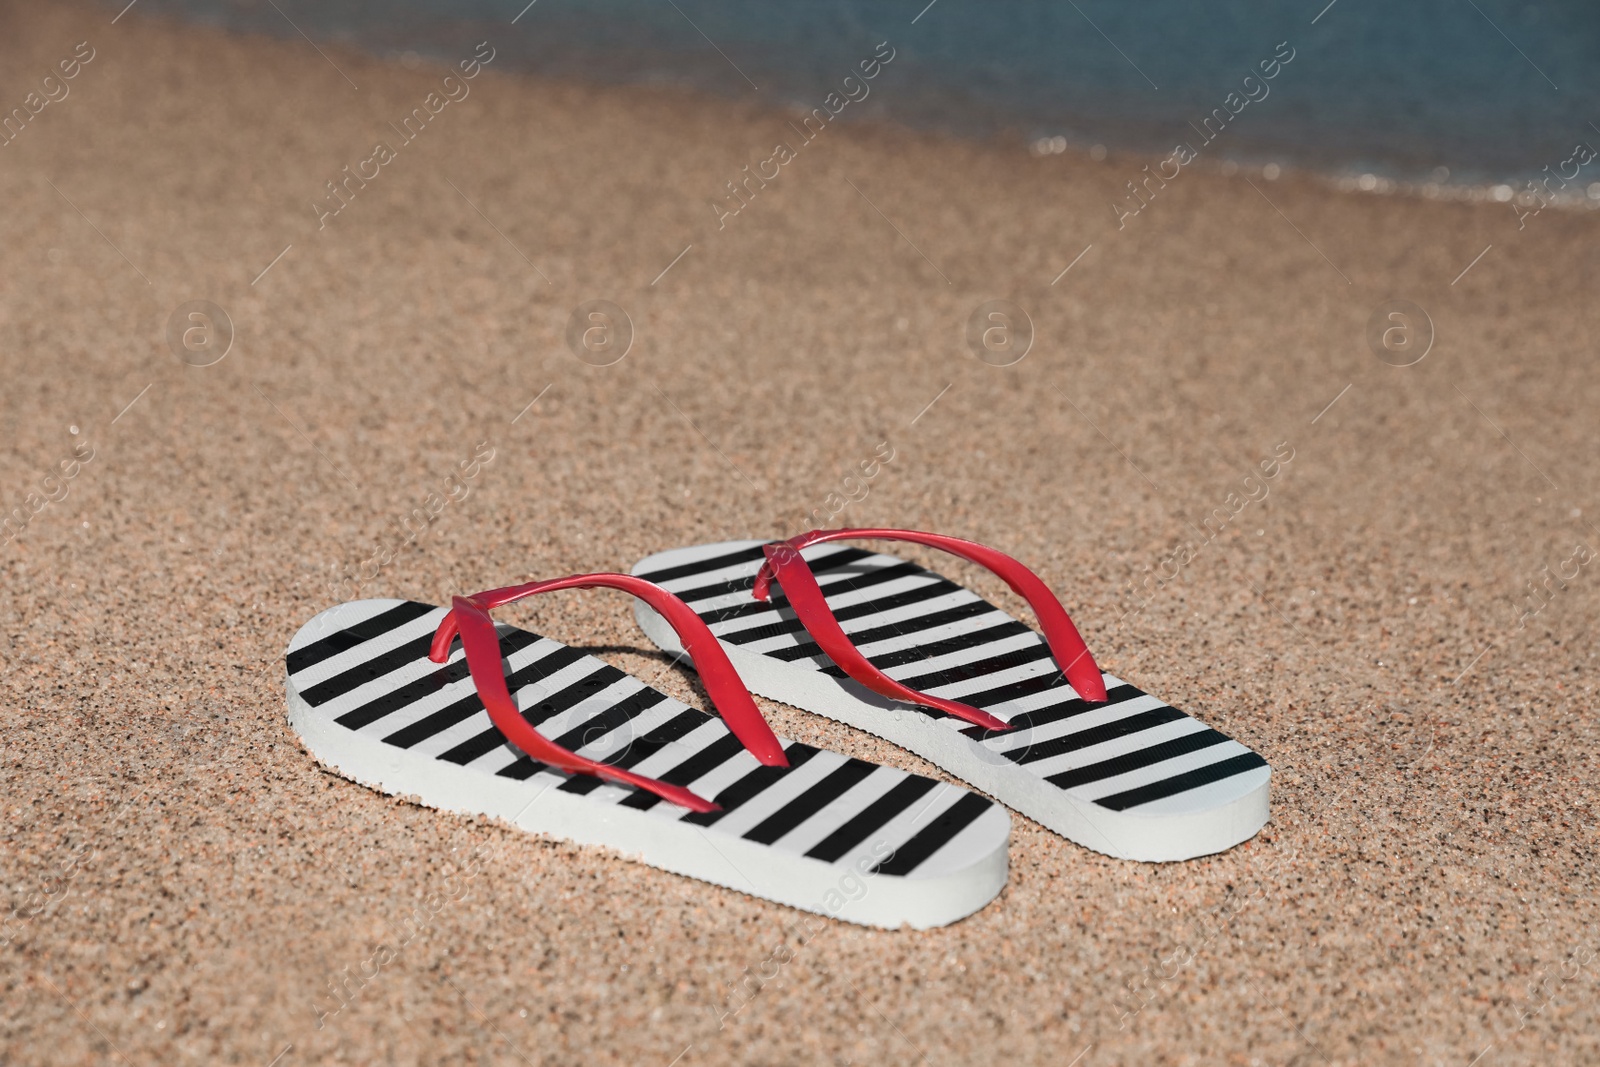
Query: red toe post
(805, 596)
(469, 616)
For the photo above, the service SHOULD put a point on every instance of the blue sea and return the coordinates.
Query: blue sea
(1468, 91)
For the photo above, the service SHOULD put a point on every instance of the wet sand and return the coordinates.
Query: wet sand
(184, 883)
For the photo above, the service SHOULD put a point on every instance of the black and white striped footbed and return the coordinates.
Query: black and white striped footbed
(828, 833)
(1132, 777)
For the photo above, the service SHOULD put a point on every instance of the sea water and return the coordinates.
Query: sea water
(1464, 91)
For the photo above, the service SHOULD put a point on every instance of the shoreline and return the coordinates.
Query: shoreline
(976, 118)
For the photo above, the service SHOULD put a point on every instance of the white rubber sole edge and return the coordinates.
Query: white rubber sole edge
(1124, 835)
(839, 892)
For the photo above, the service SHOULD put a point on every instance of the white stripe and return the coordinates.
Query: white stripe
(956, 690)
(844, 573)
(977, 653)
(445, 696)
(526, 697)
(1218, 792)
(1119, 746)
(617, 741)
(849, 598)
(774, 644)
(777, 795)
(355, 612)
(728, 572)
(898, 642)
(689, 745)
(1098, 715)
(953, 854)
(845, 807)
(354, 657)
(827, 580)
(736, 571)
(380, 686)
(589, 708)
(933, 634)
(904, 826)
(839, 601)
(1156, 772)
(911, 612)
(614, 742)
(421, 667)
(724, 774)
(898, 614)
(1034, 703)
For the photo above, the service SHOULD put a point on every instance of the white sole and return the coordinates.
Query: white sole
(1197, 822)
(961, 878)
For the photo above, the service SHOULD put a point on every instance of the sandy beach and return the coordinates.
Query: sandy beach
(1402, 623)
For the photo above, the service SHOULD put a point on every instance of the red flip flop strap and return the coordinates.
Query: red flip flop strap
(482, 644)
(1066, 644)
(805, 597)
(469, 616)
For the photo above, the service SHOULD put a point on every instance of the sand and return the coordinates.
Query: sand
(184, 882)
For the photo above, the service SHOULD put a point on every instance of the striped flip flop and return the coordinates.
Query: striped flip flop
(884, 645)
(506, 723)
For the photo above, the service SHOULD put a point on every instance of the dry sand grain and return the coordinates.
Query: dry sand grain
(186, 882)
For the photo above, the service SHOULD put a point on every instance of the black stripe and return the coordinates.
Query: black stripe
(872, 817)
(1095, 735)
(707, 759)
(931, 838)
(1132, 761)
(437, 722)
(967, 672)
(1039, 683)
(403, 697)
(838, 559)
(642, 749)
(625, 710)
(742, 611)
(1056, 712)
(548, 708)
(922, 622)
(789, 625)
(408, 694)
(944, 647)
(649, 744)
(362, 673)
(477, 745)
(937, 588)
(885, 660)
(1144, 794)
(865, 637)
(752, 785)
(838, 782)
(844, 585)
(351, 636)
(468, 706)
(524, 768)
(572, 695)
(700, 566)
(855, 611)
(804, 650)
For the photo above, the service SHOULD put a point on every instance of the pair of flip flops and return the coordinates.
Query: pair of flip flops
(466, 714)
